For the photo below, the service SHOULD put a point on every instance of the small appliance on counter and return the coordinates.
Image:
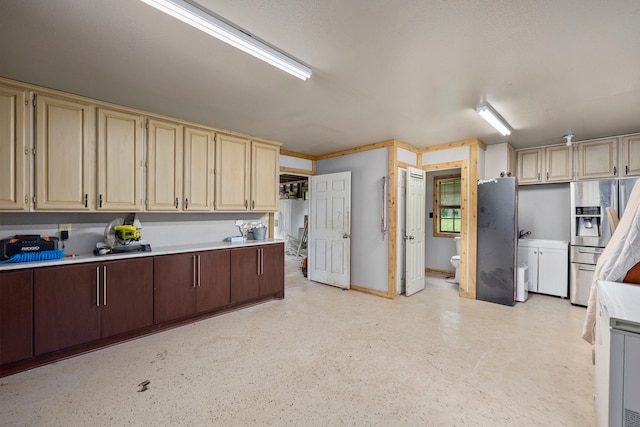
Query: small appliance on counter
(29, 247)
(122, 235)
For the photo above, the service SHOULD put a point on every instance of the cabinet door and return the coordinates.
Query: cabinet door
(119, 161)
(244, 274)
(14, 150)
(213, 290)
(598, 159)
(272, 270)
(174, 286)
(164, 169)
(630, 158)
(529, 166)
(66, 306)
(559, 163)
(265, 176)
(65, 169)
(198, 169)
(127, 295)
(232, 173)
(529, 256)
(16, 315)
(553, 270)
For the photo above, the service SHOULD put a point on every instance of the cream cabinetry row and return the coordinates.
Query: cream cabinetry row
(595, 159)
(547, 164)
(92, 156)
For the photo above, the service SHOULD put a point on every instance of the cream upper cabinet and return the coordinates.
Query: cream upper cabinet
(14, 149)
(164, 165)
(529, 166)
(558, 163)
(630, 156)
(265, 176)
(233, 163)
(199, 152)
(597, 159)
(65, 155)
(120, 161)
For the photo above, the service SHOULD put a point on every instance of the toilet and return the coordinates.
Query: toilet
(455, 260)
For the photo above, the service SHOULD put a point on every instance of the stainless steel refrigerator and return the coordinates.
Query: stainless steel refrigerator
(497, 240)
(590, 228)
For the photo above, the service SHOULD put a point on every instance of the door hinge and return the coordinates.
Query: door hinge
(34, 200)
(26, 199)
(26, 151)
(147, 123)
(26, 102)
(33, 151)
(34, 99)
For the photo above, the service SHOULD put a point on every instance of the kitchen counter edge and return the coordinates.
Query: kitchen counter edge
(162, 250)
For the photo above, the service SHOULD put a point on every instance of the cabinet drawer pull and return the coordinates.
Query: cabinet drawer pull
(104, 285)
(97, 286)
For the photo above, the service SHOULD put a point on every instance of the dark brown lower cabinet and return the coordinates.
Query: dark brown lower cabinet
(16, 315)
(190, 283)
(78, 304)
(257, 271)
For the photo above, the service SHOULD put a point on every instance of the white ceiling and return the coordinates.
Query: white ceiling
(413, 70)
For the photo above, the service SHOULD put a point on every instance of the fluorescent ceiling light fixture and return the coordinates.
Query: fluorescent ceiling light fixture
(214, 26)
(489, 114)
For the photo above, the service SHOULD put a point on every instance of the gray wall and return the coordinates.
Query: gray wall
(545, 211)
(369, 250)
(439, 250)
(159, 229)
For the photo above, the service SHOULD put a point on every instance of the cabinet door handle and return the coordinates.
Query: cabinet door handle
(194, 272)
(199, 277)
(253, 204)
(615, 171)
(626, 169)
(176, 203)
(538, 176)
(86, 200)
(547, 175)
(101, 200)
(246, 204)
(97, 286)
(104, 285)
(261, 261)
(186, 203)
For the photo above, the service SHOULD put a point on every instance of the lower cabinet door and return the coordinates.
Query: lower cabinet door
(66, 307)
(553, 272)
(244, 274)
(16, 315)
(175, 285)
(126, 296)
(213, 284)
(272, 277)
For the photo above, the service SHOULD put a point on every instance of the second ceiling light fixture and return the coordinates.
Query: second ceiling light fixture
(214, 26)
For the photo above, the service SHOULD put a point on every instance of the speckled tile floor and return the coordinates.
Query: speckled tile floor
(327, 357)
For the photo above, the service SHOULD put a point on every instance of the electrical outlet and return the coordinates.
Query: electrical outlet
(64, 227)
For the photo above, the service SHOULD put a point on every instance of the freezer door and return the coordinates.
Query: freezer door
(497, 237)
(580, 278)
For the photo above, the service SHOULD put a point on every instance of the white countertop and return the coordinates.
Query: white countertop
(163, 250)
(545, 244)
(622, 301)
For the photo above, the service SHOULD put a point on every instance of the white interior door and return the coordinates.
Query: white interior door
(329, 229)
(415, 231)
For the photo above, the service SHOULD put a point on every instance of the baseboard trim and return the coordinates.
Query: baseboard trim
(373, 292)
(435, 270)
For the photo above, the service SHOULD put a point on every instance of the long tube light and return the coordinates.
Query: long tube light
(490, 115)
(212, 25)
